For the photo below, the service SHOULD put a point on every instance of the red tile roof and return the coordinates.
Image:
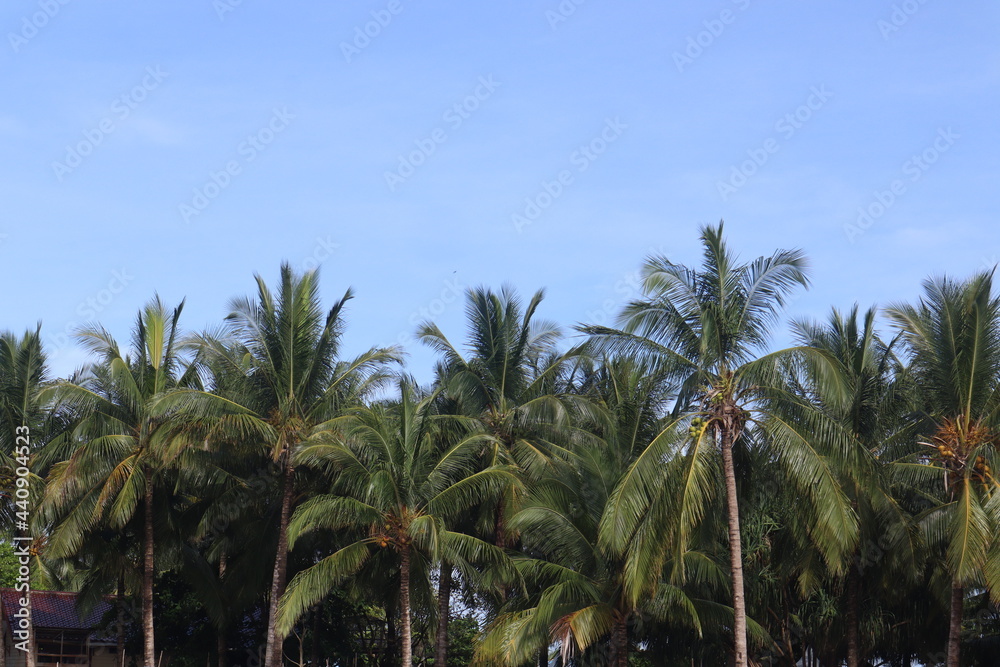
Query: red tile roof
(52, 609)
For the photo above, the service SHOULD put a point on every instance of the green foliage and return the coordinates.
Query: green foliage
(8, 565)
(462, 632)
(182, 626)
(581, 497)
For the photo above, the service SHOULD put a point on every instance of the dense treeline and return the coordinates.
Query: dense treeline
(666, 492)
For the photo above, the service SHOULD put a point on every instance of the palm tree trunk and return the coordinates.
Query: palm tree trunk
(619, 642)
(735, 550)
(314, 645)
(274, 642)
(788, 651)
(500, 536)
(148, 650)
(221, 640)
(853, 630)
(391, 639)
(221, 648)
(120, 629)
(444, 612)
(955, 625)
(404, 601)
(32, 652)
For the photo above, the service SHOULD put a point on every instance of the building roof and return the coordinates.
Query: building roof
(53, 609)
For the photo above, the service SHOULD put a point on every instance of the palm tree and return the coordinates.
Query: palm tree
(397, 478)
(510, 380)
(705, 327)
(24, 426)
(119, 443)
(227, 560)
(234, 487)
(283, 382)
(22, 375)
(953, 335)
(874, 412)
(580, 593)
(108, 562)
(513, 380)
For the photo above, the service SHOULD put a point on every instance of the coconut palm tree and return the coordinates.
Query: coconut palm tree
(107, 563)
(227, 559)
(953, 335)
(874, 412)
(580, 594)
(705, 328)
(22, 375)
(25, 423)
(25, 426)
(510, 377)
(397, 478)
(234, 488)
(280, 382)
(512, 380)
(119, 444)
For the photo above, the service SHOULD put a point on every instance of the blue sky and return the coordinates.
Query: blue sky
(182, 147)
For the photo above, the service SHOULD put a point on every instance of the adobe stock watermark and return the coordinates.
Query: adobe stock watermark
(786, 127)
(562, 12)
(580, 159)
(454, 116)
(914, 168)
(21, 622)
(627, 287)
(322, 251)
(223, 7)
(363, 35)
(900, 16)
(120, 109)
(33, 24)
(89, 308)
(450, 293)
(247, 151)
(704, 39)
